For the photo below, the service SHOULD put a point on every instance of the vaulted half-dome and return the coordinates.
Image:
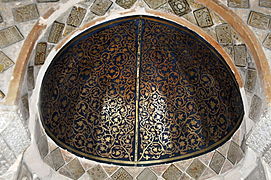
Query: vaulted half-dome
(139, 90)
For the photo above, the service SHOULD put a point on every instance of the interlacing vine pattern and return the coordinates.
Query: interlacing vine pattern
(139, 90)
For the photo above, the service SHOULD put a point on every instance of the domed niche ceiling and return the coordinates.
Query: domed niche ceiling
(139, 90)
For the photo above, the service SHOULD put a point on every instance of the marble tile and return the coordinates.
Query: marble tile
(57, 159)
(224, 34)
(203, 17)
(217, 162)
(180, 7)
(5, 62)
(46, 1)
(154, 4)
(159, 169)
(251, 79)
(30, 78)
(147, 174)
(76, 16)
(267, 41)
(226, 166)
(172, 173)
(9, 36)
(67, 156)
(238, 3)
(208, 173)
(121, 174)
(100, 7)
(255, 108)
(185, 177)
(224, 148)
(206, 158)
(40, 55)
(183, 165)
(56, 32)
(235, 153)
(68, 30)
(259, 20)
(110, 169)
(25, 13)
(240, 55)
(87, 164)
(65, 172)
(97, 173)
(126, 4)
(43, 146)
(196, 169)
(265, 3)
(75, 168)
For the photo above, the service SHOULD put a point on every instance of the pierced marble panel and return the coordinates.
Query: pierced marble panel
(258, 20)
(76, 16)
(180, 7)
(240, 55)
(172, 173)
(265, 3)
(196, 169)
(238, 3)
(25, 13)
(9, 36)
(126, 4)
(235, 153)
(267, 41)
(223, 34)
(251, 79)
(146, 174)
(100, 7)
(5, 62)
(203, 17)
(40, 55)
(56, 32)
(255, 108)
(121, 174)
(97, 172)
(217, 162)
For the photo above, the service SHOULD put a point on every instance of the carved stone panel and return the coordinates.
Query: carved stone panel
(154, 4)
(5, 62)
(40, 53)
(223, 33)
(255, 108)
(203, 17)
(56, 32)
(251, 80)
(258, 20)
(265, 3)
(180, 7)
(240, 55)
(100, 7)
(10, 36)
(25, 13)
(76, 16)
(238, 3)
(267, 41)
(126, 4)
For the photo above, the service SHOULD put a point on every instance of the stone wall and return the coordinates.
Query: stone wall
(32, 32)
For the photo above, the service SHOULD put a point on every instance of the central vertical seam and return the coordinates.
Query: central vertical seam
(137, 87)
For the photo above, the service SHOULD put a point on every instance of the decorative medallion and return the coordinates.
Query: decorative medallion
(139, 90)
